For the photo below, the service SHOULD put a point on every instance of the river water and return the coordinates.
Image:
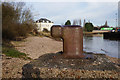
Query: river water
(100, 45)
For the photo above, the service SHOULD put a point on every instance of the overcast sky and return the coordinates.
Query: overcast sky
(60, 12)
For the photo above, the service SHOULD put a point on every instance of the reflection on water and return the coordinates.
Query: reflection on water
(100, 45)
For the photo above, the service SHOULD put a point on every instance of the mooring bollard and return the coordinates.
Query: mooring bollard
(72, 40)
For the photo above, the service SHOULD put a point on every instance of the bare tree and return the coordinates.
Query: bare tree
(106, 24)
(84, 23)
(80, 22)
(18, 18)
(75, 22)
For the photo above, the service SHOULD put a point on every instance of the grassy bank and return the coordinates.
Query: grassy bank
(9, 50)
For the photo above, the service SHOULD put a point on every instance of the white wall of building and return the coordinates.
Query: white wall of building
(41, 26)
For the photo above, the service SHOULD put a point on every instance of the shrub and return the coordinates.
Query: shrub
(17, 21)
(45, 30)
(89, 27)
(68, 22)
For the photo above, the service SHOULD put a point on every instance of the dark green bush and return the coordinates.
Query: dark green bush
(68, 22)
(89, 27)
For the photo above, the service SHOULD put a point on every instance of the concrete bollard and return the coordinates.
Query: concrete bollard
(72, 40)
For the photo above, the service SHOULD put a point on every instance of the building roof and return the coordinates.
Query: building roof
(44, 20)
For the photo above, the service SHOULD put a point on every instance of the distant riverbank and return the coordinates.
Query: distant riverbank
(95, 33)
(91, 35)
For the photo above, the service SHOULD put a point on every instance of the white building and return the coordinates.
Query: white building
(44, 23)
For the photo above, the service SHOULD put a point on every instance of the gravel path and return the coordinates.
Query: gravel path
(37, 46)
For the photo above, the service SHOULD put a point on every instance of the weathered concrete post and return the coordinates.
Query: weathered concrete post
(72, 40)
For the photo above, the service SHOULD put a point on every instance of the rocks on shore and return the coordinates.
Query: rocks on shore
(55, 66)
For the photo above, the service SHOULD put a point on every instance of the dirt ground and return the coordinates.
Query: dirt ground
(37, 46)
(34, 47)
(12, 67)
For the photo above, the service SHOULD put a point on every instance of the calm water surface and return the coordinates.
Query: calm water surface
(100, 45)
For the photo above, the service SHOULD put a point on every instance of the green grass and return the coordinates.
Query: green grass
(9, 50)
(12, 52)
